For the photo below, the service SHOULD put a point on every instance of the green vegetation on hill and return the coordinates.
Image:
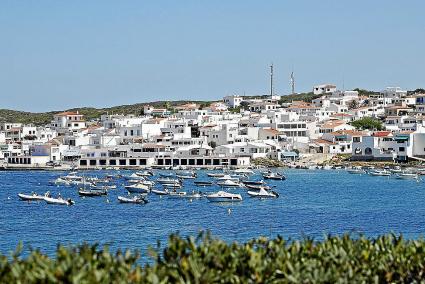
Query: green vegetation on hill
(307, 97)
(89, 112)
(386, 259)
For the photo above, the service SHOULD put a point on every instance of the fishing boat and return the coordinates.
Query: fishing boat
(91, 192)
(229, 183)
(274, 176)
(137, 188)
(58, 201)
(203, 183)
(262, 193)
(407, 176)
(30, 197)
(223, 196)
(140, 199)
(378, 172)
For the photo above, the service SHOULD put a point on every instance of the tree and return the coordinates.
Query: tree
(353, 104)
(368, 123)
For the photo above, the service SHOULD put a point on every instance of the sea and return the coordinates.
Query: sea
(311, 203)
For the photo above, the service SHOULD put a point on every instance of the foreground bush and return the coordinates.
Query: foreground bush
(207, 260)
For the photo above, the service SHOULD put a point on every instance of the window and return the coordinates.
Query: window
(401, 149)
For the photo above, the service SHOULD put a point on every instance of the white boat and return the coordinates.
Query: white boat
(262, 193)
(382, 173)
(145, 173)
(228, 177)
(177, 194)
(229, 183)
(103, 187)
(186, 176)
(160, 192)
(355, 171)
(61, 181)
(274, 176)
(172, 185)
(407, 176)
(30, 197)
(136, 199)
(134, 176)
(244, 171)
(137, 188)
(216, 175)
(72, 177)
(58, 201)
(223, 196)
(168, 180)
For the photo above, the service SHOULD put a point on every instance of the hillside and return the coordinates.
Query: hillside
(90, 113)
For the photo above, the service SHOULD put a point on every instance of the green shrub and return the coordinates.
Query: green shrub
(387, 259)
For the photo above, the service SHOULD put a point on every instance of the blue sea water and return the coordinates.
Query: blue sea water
(312, 203)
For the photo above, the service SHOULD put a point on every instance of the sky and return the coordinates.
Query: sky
(61, 54)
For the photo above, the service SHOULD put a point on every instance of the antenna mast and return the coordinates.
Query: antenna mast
(271, 79)
(292, 83)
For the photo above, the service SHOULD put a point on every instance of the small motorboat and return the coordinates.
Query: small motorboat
(228, 177)
(165, 175)
(253, 182)
(407, 176)
(91, 192)
(30, 197)
(168, 181)
(262, 193)
(203, 183)
(229, 183)
(382, 173)
(186, 176)
(257, 187)
(103, 187)
(355, 170)
(134, 176)
(223, 196)
(140, 199)
(58, 201)
(175, 185)
(137, 188)
(177, 194)
(60, 181)
(274, 176)
(145, 173)
(244, 171)
(160, 192)
(216, 175)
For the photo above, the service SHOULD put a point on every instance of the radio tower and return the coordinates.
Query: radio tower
(271, 79)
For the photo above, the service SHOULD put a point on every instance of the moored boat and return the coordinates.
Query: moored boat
(58, 201)
(30, 197)
(137, 188)
(223, 196)
(274, 176)
(92, 193)
(135, 199)
(229, 183)
(407, 176)
(203, 183)
(262, 193)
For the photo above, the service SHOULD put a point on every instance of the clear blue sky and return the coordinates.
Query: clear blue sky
(62, 54)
